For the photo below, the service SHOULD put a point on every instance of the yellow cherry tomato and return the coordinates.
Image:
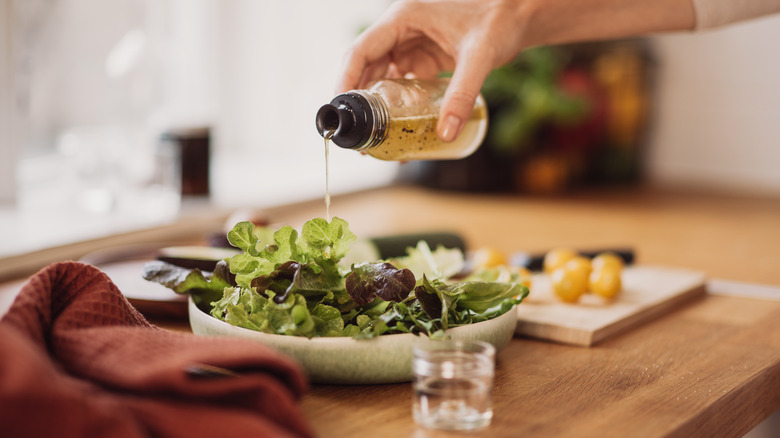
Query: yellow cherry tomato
(607, 260)
(522, 271)
(579, 263)
(556, 258)
(516, 274)
(484, 258)
(523, 275)
(510, 274)
(569, 284)
(605, 282)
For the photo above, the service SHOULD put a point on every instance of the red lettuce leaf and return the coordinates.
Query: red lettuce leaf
(383, 280)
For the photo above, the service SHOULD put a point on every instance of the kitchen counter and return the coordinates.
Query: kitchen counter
(733, 238)
(710, 367)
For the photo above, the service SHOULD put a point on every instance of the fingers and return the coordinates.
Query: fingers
(473, 66)
(373, 71)
(368, 58)
(359, 63)
(422, 57)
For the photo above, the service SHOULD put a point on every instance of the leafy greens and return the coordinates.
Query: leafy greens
(296, 284)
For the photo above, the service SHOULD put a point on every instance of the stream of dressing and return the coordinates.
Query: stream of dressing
(327, 135)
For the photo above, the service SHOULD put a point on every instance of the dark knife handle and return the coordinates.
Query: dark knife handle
(535, 262)
(395, 246)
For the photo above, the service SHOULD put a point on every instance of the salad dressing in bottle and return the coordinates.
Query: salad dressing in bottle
(395, 120)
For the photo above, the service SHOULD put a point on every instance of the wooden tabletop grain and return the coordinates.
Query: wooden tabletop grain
(710, 367)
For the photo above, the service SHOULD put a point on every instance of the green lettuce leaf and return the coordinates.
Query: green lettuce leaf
(441, 263)
(242, 236)
(480, 296)
(203, 286)
(327, 241)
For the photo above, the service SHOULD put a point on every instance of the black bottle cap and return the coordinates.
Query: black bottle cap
(350, 116)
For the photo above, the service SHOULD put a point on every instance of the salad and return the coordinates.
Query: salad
(307, 284)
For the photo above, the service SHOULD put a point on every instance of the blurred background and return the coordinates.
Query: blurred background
(113, 113)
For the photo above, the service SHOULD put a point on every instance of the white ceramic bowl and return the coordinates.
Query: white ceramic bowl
(344, 360)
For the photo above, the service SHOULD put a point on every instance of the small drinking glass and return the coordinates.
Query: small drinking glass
(453, 380)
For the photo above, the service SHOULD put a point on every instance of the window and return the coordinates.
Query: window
(89, 87)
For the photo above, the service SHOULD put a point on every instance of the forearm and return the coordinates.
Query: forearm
(565, 21)
(714, 13)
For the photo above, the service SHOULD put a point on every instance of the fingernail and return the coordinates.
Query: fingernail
(450, 129)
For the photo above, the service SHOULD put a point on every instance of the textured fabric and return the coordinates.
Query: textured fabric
(77, 360)
(714, 13)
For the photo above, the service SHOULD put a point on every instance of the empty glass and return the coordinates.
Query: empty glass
(453, 380)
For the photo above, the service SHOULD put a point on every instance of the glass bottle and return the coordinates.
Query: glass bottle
(395, 120)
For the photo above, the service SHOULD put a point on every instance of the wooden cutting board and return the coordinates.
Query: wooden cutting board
(648, 291)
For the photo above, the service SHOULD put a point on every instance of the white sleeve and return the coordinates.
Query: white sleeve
(714, 13)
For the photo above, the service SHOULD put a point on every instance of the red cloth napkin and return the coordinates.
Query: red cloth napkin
(77, 360)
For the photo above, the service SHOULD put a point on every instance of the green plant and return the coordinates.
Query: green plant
(524, 96)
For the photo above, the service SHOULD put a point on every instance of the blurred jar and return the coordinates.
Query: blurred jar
(395, 120)
(194, 151)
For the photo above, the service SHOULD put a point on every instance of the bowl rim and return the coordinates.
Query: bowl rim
(378, 360)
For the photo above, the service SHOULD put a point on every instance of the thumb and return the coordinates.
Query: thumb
(462, 92)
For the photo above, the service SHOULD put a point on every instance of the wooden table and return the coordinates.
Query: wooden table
(708, 368)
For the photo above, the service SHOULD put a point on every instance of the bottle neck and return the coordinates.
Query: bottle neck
(380, 115)
(354, 120)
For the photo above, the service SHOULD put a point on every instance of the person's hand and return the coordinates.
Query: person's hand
(424, 38)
